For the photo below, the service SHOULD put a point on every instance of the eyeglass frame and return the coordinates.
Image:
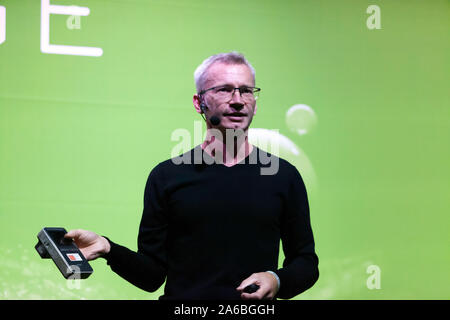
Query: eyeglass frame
(201, 93)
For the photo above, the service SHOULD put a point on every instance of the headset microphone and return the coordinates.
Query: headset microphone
(215, 120)
(203, 107)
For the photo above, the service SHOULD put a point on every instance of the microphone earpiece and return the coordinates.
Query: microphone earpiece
(203, 106)
(215, 120)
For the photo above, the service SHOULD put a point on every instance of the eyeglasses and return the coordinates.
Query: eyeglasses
(226, 92)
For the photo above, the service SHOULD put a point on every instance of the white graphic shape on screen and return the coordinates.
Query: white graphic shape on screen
(73, 22)
(374, 280)
(300, 119)
(46, 47)
(2, 24)
(374, 20)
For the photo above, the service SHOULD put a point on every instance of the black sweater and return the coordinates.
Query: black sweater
(207, 227)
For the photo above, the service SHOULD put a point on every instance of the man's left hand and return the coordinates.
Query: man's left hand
(268, 286)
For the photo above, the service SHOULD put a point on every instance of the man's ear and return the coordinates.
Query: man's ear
(196, 100)
(256, 107)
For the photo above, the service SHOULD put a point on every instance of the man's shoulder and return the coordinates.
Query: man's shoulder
(174, 163)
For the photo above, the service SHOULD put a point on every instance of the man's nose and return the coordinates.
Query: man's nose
(236, 99)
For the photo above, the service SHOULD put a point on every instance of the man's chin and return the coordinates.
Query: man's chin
(236, 125)
(235, 131)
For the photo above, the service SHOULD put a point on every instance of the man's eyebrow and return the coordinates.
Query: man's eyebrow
(232, 85)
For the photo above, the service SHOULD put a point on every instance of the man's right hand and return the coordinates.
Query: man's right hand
(90, 244)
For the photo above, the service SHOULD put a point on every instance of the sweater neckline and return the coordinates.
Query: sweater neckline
(243, 161)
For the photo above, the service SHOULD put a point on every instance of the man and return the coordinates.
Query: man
(212, 222)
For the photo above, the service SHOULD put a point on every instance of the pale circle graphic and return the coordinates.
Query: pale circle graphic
(281, 146)
(301, 119)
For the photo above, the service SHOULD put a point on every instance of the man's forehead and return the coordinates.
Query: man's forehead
(229, 73)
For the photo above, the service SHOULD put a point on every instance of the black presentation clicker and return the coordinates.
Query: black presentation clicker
(64, 253)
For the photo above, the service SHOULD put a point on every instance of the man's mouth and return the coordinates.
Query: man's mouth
(235, 114)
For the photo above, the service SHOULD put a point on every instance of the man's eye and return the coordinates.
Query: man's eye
(227, 89)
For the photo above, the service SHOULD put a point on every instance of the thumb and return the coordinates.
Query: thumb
(245, 283)
(73, 233)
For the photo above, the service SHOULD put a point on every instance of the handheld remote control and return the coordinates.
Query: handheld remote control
(64, 253)
(251, 288)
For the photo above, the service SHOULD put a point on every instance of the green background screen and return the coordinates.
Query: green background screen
(360, 100)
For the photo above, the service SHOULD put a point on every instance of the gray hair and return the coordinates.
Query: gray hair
(228, 58)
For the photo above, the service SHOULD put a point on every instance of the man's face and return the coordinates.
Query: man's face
(234, 112)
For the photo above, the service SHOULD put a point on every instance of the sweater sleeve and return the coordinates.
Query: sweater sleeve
(146, 268)
(300, 266)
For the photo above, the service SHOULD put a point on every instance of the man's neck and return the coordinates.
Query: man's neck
(227, 151)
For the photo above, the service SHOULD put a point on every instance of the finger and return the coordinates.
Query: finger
(76, 233)
(248, 296)
(88, 254)
(252, 279)
(263, 293)
(257, 295)
(246, 283)
(268, 296)
(85, 253)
